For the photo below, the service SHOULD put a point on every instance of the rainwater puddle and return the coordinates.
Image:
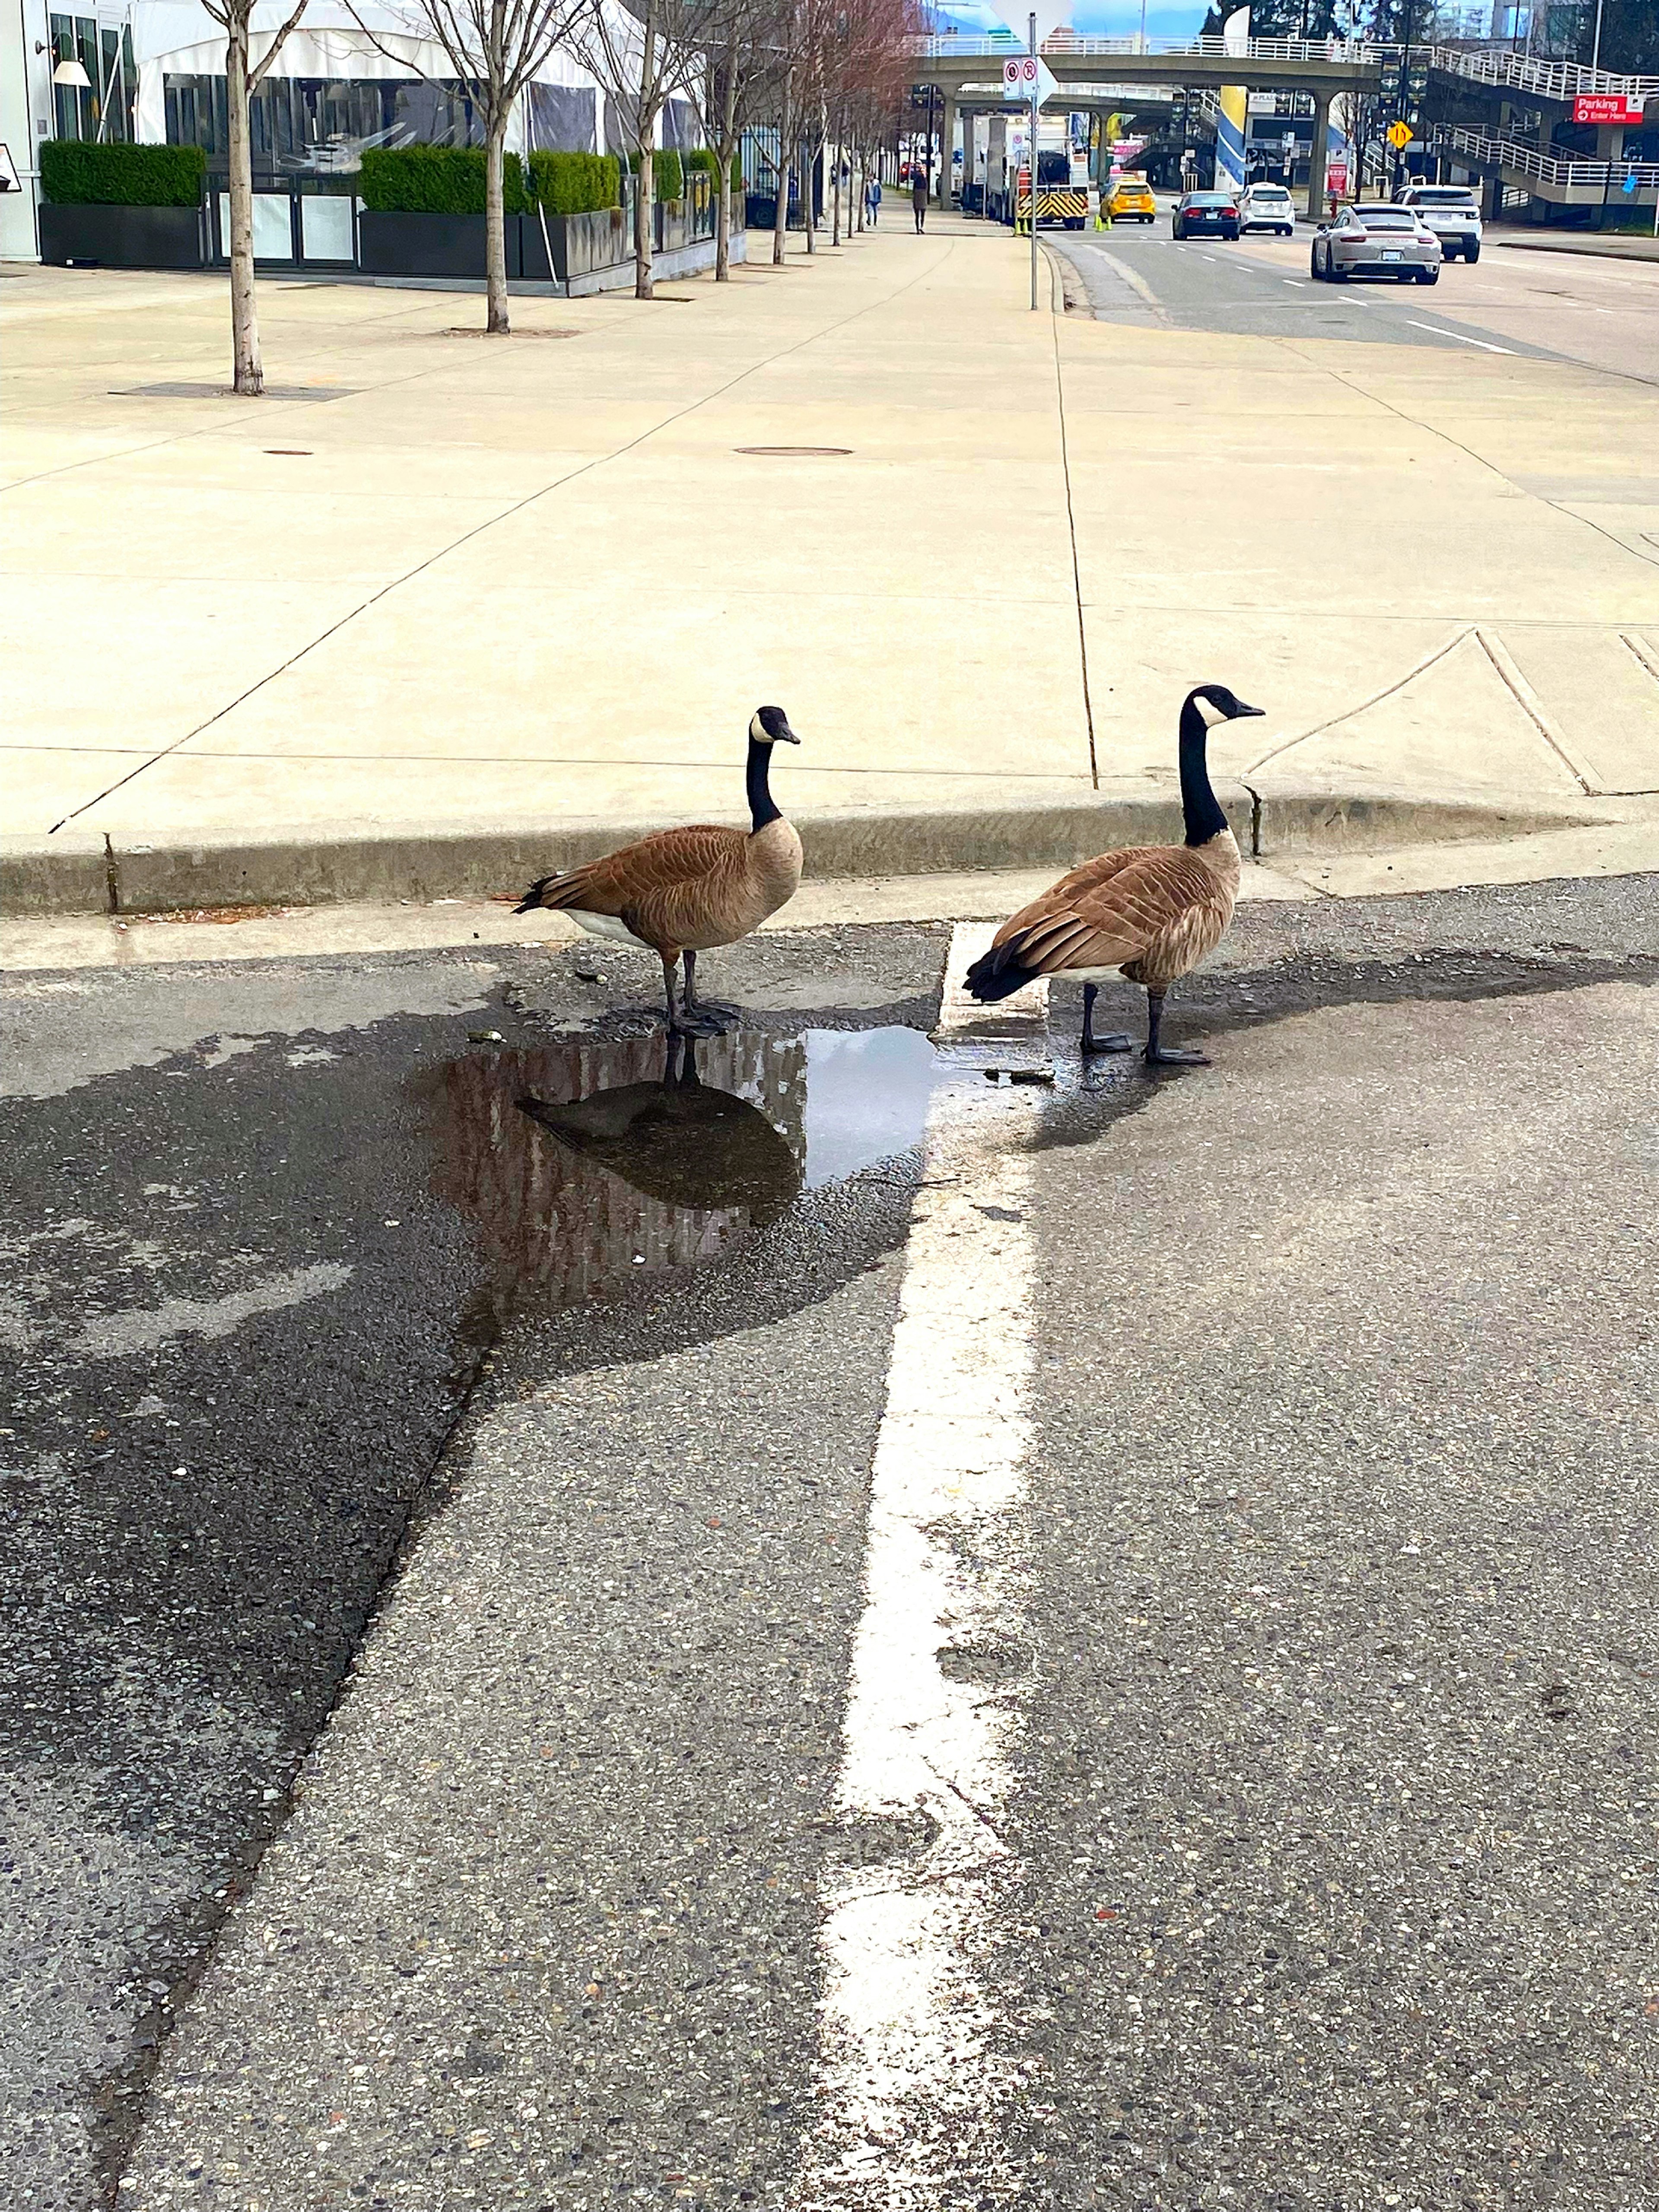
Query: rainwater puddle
(584, 1165)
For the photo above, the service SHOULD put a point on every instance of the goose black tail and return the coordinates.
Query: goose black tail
(998, 974)
(532, 897)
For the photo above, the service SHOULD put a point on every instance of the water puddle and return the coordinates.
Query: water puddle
(585, 1165)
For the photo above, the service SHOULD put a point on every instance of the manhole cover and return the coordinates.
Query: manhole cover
(792, 452)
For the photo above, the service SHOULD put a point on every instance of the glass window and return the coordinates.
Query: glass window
(86, 42)
(66, 114)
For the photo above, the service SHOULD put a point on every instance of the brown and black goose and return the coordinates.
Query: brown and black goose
(681, 891)
(1151, 911)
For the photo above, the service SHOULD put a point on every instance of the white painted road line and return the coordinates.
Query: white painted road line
(910, 2092)
(1440, 333)
(1299, 282)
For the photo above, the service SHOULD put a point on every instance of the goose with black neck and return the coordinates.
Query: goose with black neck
(1150, 912)
(679, 892)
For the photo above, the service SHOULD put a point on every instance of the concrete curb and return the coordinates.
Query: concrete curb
(1610, 247)
(331, 865)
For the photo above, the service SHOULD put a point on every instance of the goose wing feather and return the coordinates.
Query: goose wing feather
(665, 888)
(1112, 912)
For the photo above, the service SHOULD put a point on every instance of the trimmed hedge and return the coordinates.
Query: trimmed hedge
(79, 172)
(436, 180)
(704, 157)
(667, 176)
(576, 184)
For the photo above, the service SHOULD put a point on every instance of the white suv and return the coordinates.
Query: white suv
(1267, 206)
(1452, 213)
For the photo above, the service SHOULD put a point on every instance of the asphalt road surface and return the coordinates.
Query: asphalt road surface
(872, 1639)
(1512, 300)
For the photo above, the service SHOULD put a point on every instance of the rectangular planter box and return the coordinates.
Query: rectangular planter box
(123, 237)
(401, 245)
(585, 243)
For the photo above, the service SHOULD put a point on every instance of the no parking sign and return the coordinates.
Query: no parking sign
(1027, 78)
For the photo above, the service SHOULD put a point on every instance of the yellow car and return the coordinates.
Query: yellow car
(1130, 200)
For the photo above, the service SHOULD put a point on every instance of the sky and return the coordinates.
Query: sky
(1099, 19)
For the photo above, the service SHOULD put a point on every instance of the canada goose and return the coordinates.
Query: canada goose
(680, 1141)
(682, 890)
(1152, 911)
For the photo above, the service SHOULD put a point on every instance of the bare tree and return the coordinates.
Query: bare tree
(642, 55)
(243, 77)
(743, 73)
(495, 48)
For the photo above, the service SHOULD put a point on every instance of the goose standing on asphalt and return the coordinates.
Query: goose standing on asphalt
(681, 891)
(1151, 911)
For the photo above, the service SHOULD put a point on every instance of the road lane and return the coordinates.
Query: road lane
(1341, 1764)
(1261, 286)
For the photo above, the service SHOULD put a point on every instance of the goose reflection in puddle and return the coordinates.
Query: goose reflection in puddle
(585, 1166)
(683, 1141)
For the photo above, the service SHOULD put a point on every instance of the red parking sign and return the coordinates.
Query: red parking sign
(1606, 108)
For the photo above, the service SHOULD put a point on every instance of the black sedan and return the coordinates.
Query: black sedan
(1205, 215)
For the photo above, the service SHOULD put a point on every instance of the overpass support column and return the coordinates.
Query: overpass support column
(947, 134)
(1321, 139)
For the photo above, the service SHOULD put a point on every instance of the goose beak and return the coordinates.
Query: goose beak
(1241, 712)
(789, 735)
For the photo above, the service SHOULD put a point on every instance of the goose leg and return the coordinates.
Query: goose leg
(1091, 1044)
(714, 1016)
(1166, 1055)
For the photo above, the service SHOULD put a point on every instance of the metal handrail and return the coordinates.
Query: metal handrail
(1548, 168)
(1551, 80)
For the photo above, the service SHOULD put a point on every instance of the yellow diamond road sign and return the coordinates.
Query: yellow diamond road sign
(1400, 135)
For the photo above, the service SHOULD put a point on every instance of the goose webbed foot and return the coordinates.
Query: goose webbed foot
(702, 1020)
(717, 1013)
(1157, 1055)
(1089, 1043)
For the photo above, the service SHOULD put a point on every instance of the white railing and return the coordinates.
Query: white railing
(1548, 79)
(1524, 160)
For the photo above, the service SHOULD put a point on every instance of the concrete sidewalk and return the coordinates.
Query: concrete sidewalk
(473, 606)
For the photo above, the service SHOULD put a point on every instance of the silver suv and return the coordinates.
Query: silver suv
(1452, 213)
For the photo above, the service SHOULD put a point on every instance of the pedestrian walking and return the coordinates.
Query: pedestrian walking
(872, 200)
(919, 199)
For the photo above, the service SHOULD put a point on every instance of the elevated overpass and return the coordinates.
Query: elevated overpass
(1105, 73)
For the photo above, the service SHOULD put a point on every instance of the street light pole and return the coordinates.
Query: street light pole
(1037, 100)
(1595, 51)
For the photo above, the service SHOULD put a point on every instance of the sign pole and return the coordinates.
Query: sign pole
(1036, 101)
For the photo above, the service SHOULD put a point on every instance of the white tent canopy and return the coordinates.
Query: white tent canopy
(179, 38)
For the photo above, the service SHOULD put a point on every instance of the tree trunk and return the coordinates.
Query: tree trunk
(862, 179)
(781, 220)
(809, 193)
(835, 234)
(497, 322)
(728, 133)
(249, 368)
(645, 227)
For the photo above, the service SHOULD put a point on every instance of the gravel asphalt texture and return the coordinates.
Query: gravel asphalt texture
(1338, 1815)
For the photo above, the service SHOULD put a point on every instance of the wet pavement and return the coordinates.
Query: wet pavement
(302, 1268)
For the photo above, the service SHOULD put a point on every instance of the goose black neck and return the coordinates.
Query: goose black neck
(761, 805)
(1199, 804)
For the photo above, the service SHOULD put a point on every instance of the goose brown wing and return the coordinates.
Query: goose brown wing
(650, 884)
(1149, 894)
